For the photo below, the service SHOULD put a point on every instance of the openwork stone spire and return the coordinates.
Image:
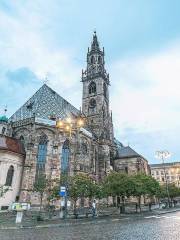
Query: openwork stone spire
(95, 43)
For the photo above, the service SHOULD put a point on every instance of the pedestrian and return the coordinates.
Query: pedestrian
(94, 208)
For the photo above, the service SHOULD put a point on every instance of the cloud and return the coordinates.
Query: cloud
(22, 76)
(28, 52)
(146, 101)
(146, 90)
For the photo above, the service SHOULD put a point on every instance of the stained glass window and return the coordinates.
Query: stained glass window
(42, 153)
(65, 157)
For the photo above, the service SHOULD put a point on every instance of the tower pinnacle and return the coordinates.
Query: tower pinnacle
(95, 43)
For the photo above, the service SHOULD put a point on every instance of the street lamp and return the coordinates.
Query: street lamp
(164, 154)
(67, 126)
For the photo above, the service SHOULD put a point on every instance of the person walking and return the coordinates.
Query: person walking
(94, 208)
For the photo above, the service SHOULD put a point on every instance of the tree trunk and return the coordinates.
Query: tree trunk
(41, 198)
(123, 204)
(139, 202)
(75, 208)
(150, 204)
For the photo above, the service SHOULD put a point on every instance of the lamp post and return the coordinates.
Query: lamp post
(68, 126)
(164, 154)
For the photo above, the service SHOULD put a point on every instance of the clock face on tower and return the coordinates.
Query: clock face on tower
(92, 103)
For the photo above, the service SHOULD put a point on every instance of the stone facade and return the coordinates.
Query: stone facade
(91, 149)
(172, 172)
(79, 161)
(131, 162)
(95, 104)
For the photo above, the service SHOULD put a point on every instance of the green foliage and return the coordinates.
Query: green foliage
(173, 191)
(3, 190)
(145, 185)
(40, 184)
(82, 186)
(118, 184)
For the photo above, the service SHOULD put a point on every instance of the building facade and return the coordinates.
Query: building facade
(172, 171)
(130, 162)
(90, 149)
(12, 157)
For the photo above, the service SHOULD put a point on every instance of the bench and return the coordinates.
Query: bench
(82, 211)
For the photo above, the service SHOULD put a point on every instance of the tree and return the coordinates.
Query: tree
(82, 186)
(119, 185)
(41, 186)
(144, 185)
(3, 190)
(173, 191)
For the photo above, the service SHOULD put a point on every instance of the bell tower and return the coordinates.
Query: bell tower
(95, 100)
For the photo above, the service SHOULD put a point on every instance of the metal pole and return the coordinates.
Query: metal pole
(66, 184)
(65, 198)
(167, 187)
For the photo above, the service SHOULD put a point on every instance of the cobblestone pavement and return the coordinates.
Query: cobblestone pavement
(162, 227)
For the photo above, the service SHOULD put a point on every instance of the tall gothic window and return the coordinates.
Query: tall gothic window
(65, 157)
(84, 148)
(9, 177)
(42, 153)
(92, 88)
(22, 140)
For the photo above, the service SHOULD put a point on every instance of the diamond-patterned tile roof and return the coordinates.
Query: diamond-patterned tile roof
(43, 104)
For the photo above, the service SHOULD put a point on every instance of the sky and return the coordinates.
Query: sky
(49, 39)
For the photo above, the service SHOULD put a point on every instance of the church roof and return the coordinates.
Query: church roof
(11, 144)
(127, 152)
(43, 104)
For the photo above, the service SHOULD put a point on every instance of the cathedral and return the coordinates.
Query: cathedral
(49, 135)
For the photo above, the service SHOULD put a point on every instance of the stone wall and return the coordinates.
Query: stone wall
(132, 165)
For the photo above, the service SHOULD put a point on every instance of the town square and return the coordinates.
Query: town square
(89, 119)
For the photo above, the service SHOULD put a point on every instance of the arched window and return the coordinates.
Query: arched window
(65, 157)
(99, 60)
(21, 138)
(92, 60)
(3, 130)
(92, 88)
(10, 175)
(84, 148)
(42, 153)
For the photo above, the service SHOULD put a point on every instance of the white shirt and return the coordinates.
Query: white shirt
(94, 205)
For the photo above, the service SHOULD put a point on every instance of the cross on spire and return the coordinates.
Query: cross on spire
(46, 80)
(95, 43)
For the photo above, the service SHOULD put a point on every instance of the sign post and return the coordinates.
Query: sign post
(62, 193)
(19, 213)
